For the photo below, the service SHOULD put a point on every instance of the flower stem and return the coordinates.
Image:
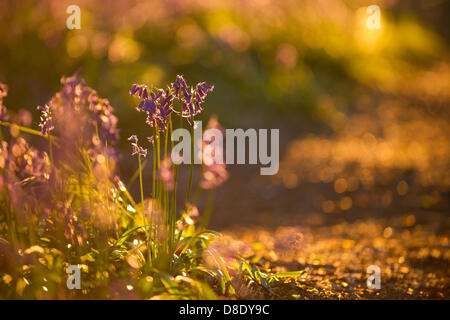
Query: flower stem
(143, 209)
(154, 169)
(191, 169)
(173, 204)
(50, 148)
(140, 178)
(208, 207)
(23, 129)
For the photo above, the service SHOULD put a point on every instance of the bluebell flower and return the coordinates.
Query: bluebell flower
(142, 151)
(46, 122)
(158, 106)
(179, 85)
(135, 148)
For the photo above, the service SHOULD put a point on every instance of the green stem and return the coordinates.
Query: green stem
(140, 179)
(23, 129)
(50, 144)
(154, 168)
(208, 208)
(173, 205)
(153, 232)
(197, 194)
(191, 168)
(165, 191)
(143, 209)
(11, 226)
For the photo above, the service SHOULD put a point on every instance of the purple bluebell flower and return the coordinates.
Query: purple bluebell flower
(187, 95)
(103, 117)
(136, 89)
(72, 86)
(158, 106)
(166, 105)
(46, 122)
(161, 123)
(156, 97)
(149, 107)
(157, 111)
(142, 151)
(141, 91)
(191, 98)
(144, 94)
(133, 89)
(135, 148)
(202, 89)
(23, 161)
(178, 85)
(93, 101)
(82, 120)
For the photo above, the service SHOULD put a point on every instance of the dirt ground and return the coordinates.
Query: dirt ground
(374, 192)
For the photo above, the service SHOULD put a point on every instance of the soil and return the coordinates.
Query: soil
(373, 192)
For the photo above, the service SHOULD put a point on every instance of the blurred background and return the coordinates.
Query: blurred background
(363, 113)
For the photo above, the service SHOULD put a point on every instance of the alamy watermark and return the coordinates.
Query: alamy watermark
(373, 22)
(209, 147)
(74, 278)
(74, 20)
(374, 280)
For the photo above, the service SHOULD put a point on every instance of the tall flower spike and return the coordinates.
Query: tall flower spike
(191, 98)
(202, 90)
(103, 118)
(158, 106)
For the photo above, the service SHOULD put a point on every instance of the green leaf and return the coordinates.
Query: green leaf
(125, 235)
(292, 274)
(247, 267)
(261, 279)
(207, 292)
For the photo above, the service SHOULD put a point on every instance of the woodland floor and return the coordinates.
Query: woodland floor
(375, 192)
